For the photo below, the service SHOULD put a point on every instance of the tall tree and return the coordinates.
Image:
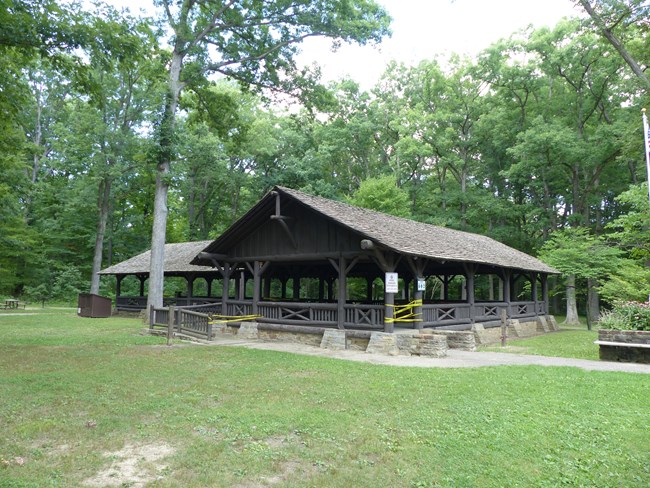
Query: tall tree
(253, 41)
(613, 19)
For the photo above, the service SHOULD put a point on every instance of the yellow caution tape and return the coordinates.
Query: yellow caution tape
(404, 313)
(222, 319)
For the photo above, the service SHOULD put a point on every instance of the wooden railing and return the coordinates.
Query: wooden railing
(303, 313)
(181, 321)
(134, 303)
(195, 319)
(364, 315)
(194, 323)
(436, 314)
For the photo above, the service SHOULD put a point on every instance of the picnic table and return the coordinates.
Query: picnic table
(11, 303)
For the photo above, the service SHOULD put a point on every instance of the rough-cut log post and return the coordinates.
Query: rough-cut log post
(369, 282)
(342, 293)
(533, 289)
(118, 286)
(256, 286)
(170, 325)
(267, 287)
(445, 287)
(507, 295)
(469, 289)
(190, 288)
(389, 313)
(242, 286)
(418, 295)
(208, 281)
(296, 287)
(545, 292)
(142, 279)
(225, 288)
(321, 289)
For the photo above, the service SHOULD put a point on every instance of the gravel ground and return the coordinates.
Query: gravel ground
(454, 359)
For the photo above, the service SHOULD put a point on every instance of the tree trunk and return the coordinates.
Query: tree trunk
(166, 148)
(593, 303)
(103, 207)
(571, 306)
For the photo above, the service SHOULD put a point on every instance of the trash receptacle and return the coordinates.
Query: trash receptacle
(91, 305)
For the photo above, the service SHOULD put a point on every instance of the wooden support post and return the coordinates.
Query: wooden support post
(118, 285)
(142, 279)
(504, 327)
(545, 292)
(256, 286)
(507, 292)
(267, 287)
(170, 325)
(445, 287)
(242, 286)
(208, 281)
(321, 289)
(330, 288)
(225, 288)
(296, 287)
(190, 288)
(418, 295)
(369, 282)
(533, 287)
(389, 312)
(470, 271)
(342, 293)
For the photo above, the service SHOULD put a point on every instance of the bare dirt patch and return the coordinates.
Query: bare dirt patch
(133, 466)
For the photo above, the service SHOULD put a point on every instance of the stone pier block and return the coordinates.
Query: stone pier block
(542, 325)
(514, 328)
(248, 330)
(382, 343)
(480, 334)
(333, 339)
(432, 345)
(550, 319)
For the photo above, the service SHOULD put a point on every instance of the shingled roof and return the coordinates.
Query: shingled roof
(177, 260)
(401, 235)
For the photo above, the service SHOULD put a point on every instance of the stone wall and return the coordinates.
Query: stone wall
(516, 329)
(625, 353)
(456, 339)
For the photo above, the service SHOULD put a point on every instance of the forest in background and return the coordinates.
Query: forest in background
(537, 143)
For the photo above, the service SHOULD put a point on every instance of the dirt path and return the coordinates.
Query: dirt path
(454, 359)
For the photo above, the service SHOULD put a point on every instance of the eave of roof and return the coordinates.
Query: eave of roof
(177, 260)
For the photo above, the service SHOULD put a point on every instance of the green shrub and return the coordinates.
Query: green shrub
(627, 316)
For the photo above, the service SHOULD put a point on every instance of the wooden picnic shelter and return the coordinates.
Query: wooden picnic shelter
(298, 259)
(177, 264)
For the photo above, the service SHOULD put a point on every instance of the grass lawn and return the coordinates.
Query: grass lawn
(78, 396)
(567, 343)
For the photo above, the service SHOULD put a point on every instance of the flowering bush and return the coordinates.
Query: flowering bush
(627, 316)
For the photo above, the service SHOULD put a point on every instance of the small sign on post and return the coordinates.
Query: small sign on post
(392, 284)
(422, 285)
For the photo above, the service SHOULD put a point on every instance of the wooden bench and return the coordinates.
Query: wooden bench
(622, 344)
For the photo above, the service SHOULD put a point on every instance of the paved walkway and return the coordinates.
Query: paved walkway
(454, 359)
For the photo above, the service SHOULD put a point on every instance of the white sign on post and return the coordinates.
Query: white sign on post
(392, 285)
(422, 285)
